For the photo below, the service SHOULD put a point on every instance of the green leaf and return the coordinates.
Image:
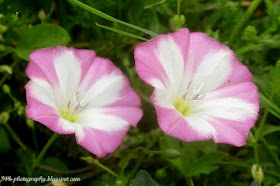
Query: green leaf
(5, 142)
(143, 178)
(40, 36)
(268, 129)
(196, 157)
(270, 106)
(121, 32)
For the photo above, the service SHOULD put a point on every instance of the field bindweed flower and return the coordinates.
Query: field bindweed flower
(74, 91)
(201, 90)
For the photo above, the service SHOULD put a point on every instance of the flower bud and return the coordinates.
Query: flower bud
(4, 117)
(6, 89)
(171, 154)
(160, 173)
(30, 123)
(251, 138)
(20, 110)
(42, 15)
(3, 29)
(257, 173)
(6, 68)
(88, 159)
(178, 21)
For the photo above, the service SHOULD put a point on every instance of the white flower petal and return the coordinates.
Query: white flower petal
(42, 91)
(68, 70)
(94, 118)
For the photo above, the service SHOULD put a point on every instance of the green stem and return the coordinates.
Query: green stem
(15, 137)
(191, 182)
(263, 120)
(237, 29)
(236, 164)
(178, 7)
(110, 18)
(43, 152)
(273, 155)
(248, 167)
(3, 79)
(256, 153)
(106, 168)
(35, 140)
(121, 32)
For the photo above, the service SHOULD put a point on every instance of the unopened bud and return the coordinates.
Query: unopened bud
(4, 117)
(160, 173)
(30, 123)
(178, 21)
(20, 110)
(251, 138)
(3, 29)
(257, 173)
(171, 154)
(42, 15)
(88, 159)
(5, 68)
(6, 89)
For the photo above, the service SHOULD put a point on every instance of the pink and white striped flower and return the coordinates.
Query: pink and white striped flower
(74, 91)
(201, 90)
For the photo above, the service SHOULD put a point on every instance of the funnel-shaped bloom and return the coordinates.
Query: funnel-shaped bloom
(201, 90)
(74, 91)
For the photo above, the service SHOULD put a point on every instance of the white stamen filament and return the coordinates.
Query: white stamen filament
(195, 93)
(77, 102)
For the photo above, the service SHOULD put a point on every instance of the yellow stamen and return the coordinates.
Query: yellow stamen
(182, 106)
(67, 114)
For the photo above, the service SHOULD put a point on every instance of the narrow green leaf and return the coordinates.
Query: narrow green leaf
(110, 18)
(270, 106)
(5, 142)
(121, 32)
(268, 129)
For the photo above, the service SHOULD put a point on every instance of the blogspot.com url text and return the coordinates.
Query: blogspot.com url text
(38, 179)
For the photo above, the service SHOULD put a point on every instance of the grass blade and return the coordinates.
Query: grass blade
(110, 18)
(121, 32)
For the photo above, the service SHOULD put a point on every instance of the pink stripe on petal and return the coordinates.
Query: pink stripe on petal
(34, 71)
(148, 67)
(46, 115)
(247, 91)
(99, 68)
(163, 58)
(174, 124)
(200, 46)
(182, 39)
(225, 133)
(86, 58)
(127, 96)
(44, 58)
(239, 74)
(100, 142)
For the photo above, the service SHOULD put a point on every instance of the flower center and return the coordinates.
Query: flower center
(182, 106)
(74, 105)
(183, 103)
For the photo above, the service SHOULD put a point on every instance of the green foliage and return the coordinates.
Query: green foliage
(143, 178)
(5, 145)
(196, 157)
(250, 28)
(40, 36)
